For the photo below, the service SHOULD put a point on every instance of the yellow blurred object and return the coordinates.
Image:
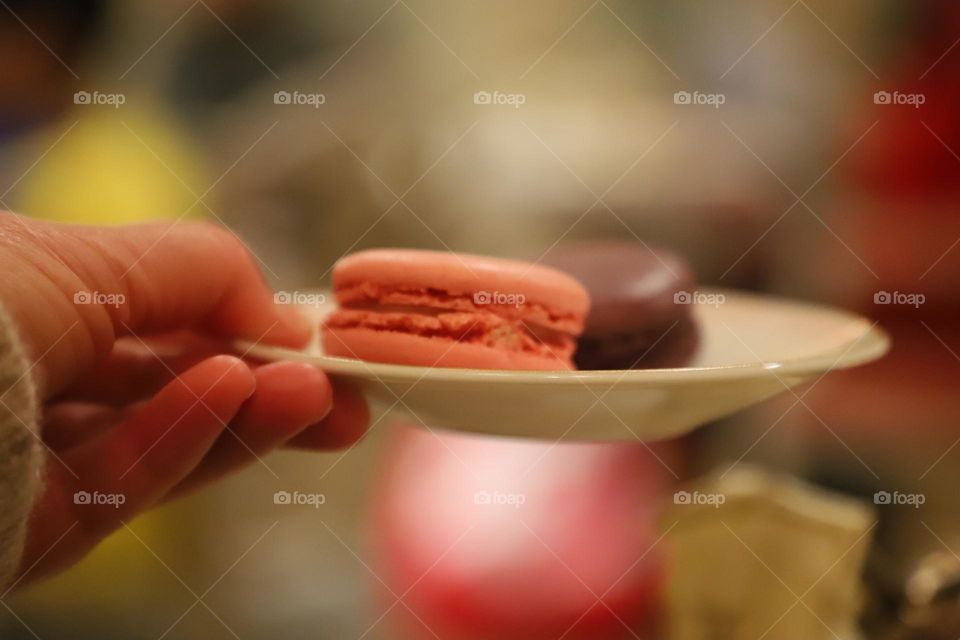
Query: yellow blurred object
(111, 167)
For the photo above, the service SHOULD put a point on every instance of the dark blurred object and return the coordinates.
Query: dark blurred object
(932, 603)
(217, 67)
(924, 606)
(41, 41)
(640, 305)
(72, 23)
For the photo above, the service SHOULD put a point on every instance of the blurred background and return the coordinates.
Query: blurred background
(816, 157)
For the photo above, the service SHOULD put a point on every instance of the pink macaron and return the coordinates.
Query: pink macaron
(442, 309)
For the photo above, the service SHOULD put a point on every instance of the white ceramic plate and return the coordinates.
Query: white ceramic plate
(752, 347)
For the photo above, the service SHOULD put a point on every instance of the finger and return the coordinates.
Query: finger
(147, 278)
(290, 396)
(137, 369)
(161, 272)
(69, 424)
(167, 438)
(134, 464)
(346, 423)
(134, 372)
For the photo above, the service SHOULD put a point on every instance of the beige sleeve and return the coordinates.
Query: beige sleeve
(20, 447)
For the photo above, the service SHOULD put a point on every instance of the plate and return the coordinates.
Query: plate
(752, 347)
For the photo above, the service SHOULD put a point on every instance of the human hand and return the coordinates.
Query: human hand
(128, 327)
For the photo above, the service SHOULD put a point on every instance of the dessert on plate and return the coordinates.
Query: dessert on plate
(442, 309)
(641, 313)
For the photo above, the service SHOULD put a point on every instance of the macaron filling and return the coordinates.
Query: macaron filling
(369, 295)
(464, 317)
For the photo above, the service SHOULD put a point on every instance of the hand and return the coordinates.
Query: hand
(128, 328)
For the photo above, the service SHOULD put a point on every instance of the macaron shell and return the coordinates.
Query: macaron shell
(463, 274)
(631, 286)
(402, 348)
(485, 329)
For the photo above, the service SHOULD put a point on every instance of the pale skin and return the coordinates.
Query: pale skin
(146, 397)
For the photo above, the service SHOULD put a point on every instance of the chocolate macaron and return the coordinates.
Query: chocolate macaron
(640, 316)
